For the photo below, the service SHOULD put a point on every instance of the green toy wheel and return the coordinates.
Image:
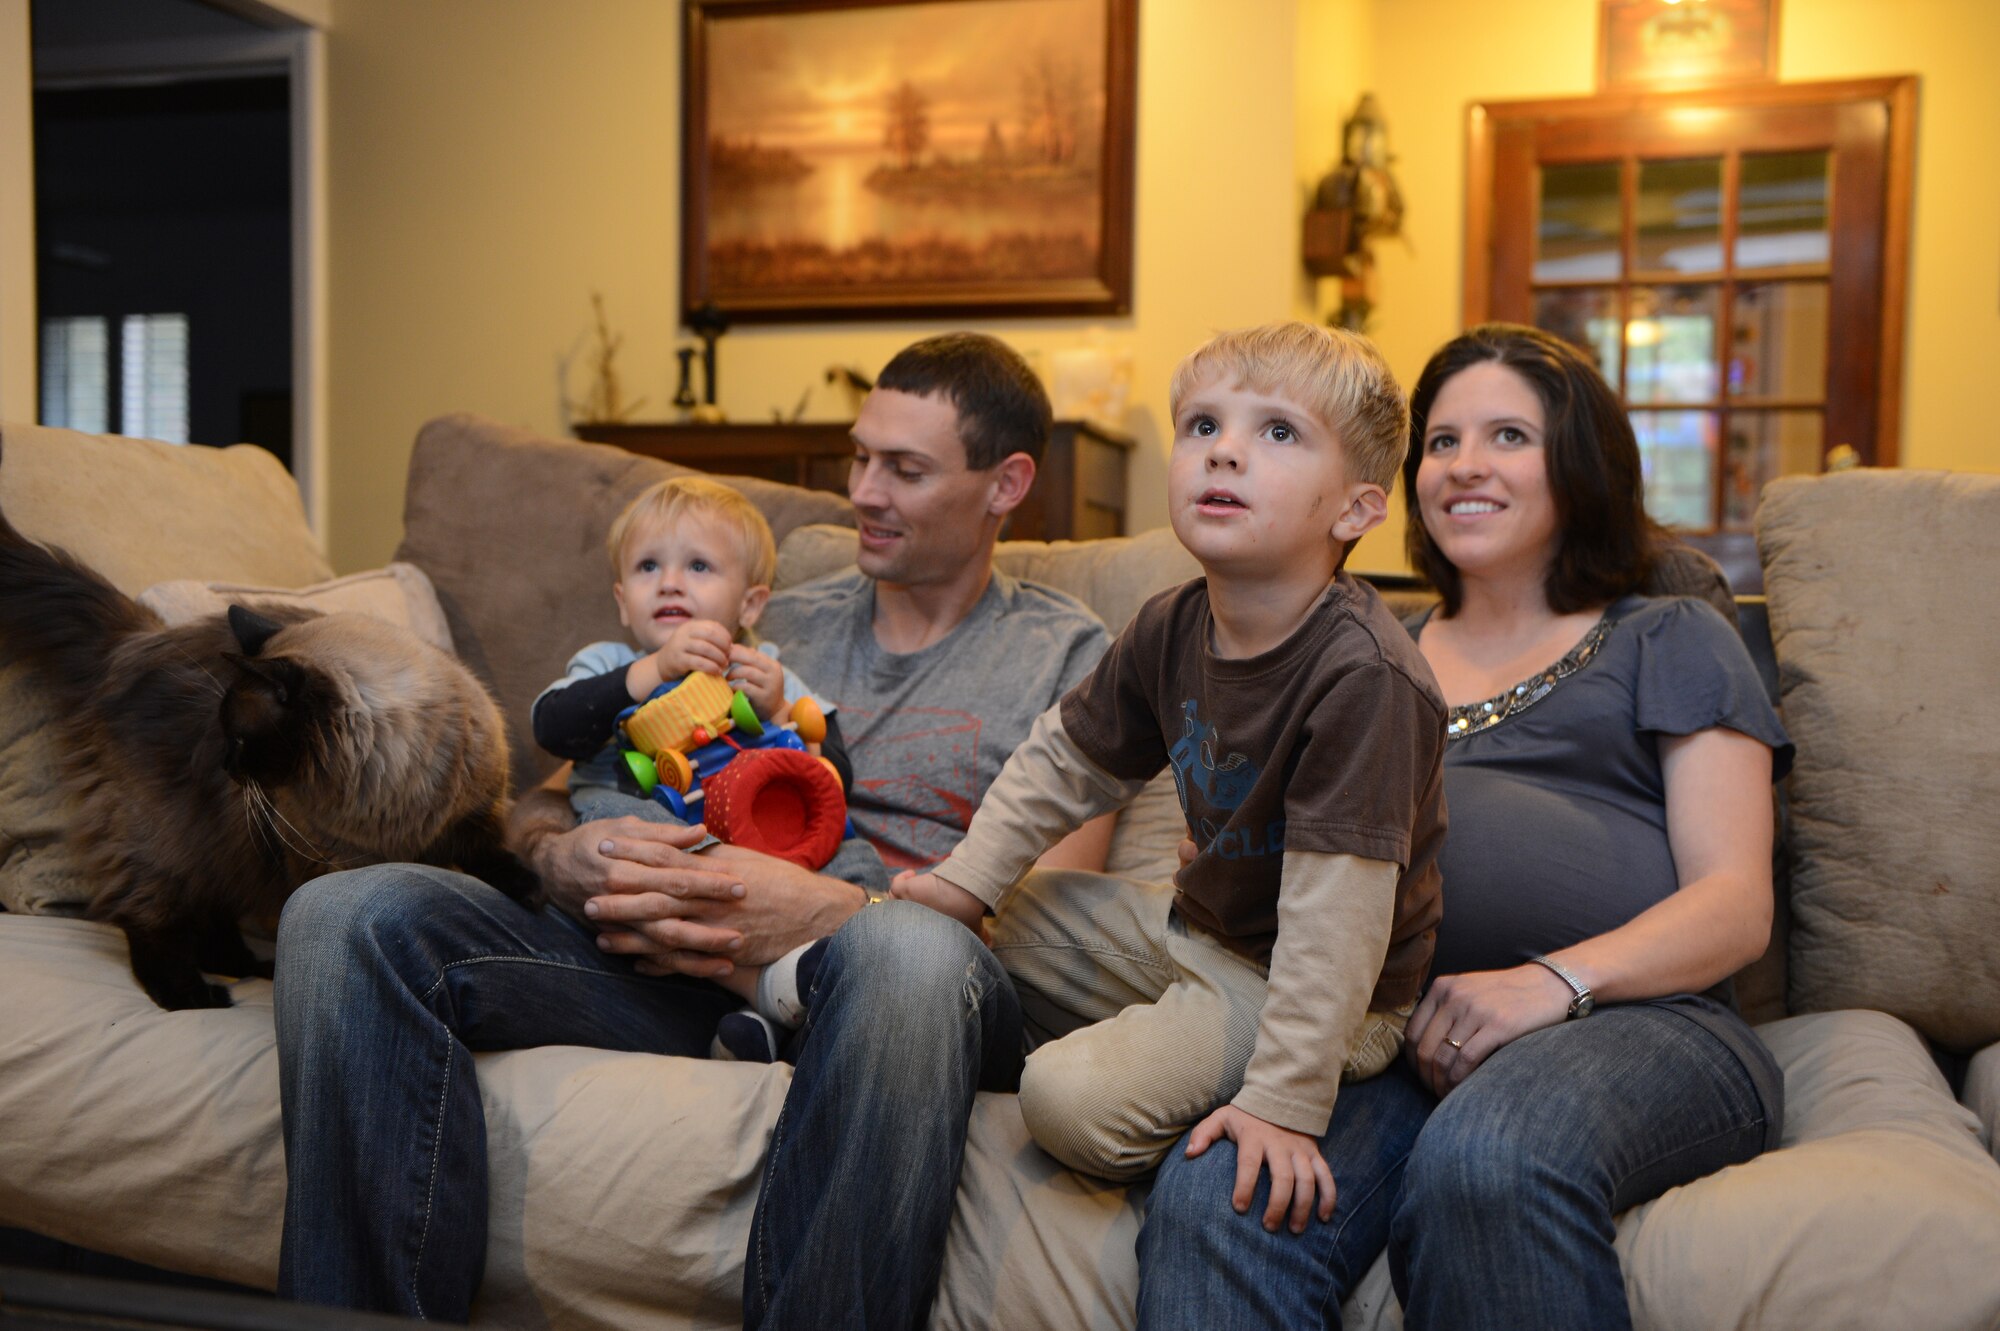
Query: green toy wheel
(643, 771)
(745, 716)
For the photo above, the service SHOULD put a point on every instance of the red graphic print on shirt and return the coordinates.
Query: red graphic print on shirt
(922, 783)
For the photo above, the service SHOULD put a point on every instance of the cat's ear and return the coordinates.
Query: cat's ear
(272, 675)
(252, 630)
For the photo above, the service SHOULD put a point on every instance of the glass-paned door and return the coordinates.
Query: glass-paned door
(1732, 261)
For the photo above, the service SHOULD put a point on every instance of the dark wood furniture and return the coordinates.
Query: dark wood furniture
(1079, 493)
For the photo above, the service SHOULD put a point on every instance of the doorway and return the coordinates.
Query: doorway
(179, 215)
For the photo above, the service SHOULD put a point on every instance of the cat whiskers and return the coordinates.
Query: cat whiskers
(275, 821)
(220, 689)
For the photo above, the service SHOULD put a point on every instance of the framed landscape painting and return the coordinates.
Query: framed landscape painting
(856, 159)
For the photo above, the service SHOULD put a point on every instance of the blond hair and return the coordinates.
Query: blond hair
(680, 497)
(1338, 376)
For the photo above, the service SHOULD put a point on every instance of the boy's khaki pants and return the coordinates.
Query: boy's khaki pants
(1140, 1025)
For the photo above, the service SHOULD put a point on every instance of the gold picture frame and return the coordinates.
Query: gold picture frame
(1678, 44)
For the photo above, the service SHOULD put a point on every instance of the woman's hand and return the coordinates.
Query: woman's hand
(1464, 1018)
(761, 679)
(1297, 1168)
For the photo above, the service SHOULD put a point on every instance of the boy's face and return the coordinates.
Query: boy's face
(1258, 485)
(690, 569)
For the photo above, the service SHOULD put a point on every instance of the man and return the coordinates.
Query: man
(390, 977)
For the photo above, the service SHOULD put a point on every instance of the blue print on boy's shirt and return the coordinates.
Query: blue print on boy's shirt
(1208, 785)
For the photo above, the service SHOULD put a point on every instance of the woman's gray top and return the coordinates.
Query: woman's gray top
(1557, 802)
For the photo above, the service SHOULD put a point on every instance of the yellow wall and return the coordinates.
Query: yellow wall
(1430, 59)
(493, 163)
(18, 387)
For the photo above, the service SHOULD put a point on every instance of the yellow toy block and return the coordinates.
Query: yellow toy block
(692, 714)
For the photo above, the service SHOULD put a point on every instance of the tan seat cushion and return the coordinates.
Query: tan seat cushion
(138, 512)
(510, 526)
(1887, 637)
(622, 1184)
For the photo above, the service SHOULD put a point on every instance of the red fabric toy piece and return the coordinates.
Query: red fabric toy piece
(780, 801)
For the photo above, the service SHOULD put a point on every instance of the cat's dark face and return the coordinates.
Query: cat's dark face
(271, 715)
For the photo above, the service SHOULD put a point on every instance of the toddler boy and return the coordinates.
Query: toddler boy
(693, 562)
(1305, 734)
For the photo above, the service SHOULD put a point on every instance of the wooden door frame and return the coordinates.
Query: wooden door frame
(1896, 94)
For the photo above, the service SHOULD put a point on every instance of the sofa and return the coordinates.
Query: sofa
(622, 1185)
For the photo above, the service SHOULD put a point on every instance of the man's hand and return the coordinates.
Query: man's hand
(676, 912)
(774, 906)
(927, 889)
(761, 679)
(669, 899)
(1296, 1166)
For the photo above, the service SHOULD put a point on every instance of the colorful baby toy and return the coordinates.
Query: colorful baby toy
(700, 742)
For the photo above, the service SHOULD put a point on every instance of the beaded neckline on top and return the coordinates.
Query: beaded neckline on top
(1473, 717)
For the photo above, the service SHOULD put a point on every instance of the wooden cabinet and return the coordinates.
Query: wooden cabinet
(1079, 492)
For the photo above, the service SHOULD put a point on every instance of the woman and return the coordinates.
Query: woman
(1607, 777)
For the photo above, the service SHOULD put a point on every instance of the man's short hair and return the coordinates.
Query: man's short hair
(1002, 407)
(680, 497)
(1336, 375)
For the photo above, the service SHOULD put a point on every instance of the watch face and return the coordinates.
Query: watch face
(1583, 1005)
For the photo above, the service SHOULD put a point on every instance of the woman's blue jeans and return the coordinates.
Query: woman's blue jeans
(1497, 1204)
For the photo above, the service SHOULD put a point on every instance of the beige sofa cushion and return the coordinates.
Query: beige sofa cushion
(398, 593)
(622, 1184)
(1887, 638)
(510, 526)
(138, 512)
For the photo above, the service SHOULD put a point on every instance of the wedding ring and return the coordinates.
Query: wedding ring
(1455, 1044)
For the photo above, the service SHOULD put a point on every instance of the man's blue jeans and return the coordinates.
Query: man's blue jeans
(909, 1015)
(387, 979)
(1497, 1204)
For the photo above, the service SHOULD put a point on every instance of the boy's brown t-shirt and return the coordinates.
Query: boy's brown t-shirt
(1332, 741)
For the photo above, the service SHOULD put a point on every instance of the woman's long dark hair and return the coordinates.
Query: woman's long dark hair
(1608, 543)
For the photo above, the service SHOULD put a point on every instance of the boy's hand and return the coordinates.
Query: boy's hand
(927, 889)
(760, 677)
(699, 644)
(1293, 1158)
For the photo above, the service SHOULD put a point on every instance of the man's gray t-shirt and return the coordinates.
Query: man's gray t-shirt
(929, 730)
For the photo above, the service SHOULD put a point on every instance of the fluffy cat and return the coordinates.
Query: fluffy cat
(213, 766)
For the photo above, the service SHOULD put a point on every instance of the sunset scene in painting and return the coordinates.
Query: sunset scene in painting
(906, 145)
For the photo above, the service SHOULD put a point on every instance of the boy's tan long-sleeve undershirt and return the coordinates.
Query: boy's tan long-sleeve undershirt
(1335, 913)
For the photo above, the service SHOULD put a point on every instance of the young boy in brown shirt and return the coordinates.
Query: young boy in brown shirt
(1305, 735)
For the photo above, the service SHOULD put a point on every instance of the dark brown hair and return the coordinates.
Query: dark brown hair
(1608, 541)
(1002, 408)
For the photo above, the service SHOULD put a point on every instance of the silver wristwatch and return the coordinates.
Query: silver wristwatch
(1585, 1002)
